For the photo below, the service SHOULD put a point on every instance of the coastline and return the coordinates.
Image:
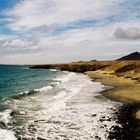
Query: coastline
(124, 87)
(124, 76)
(123, 90)
(129, 113)
(70, 109)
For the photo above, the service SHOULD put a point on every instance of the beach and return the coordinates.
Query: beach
(123, 89)
(68, 102)
(122, 81)
(124, 76)
(55, 105)
(70, 70)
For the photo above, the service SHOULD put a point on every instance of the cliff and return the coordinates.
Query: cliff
(75, 67)
(126, 69)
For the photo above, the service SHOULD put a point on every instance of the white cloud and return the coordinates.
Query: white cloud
(34, 13)
(18, 44)
(130, 33)
(74, 45)
(40, 17)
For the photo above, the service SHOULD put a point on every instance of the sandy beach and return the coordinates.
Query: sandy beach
(122, 79)
(124, 89)
(123, 76)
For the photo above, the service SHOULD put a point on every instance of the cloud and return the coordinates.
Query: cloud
(73, 45)
(30, 14)
(18, 44)
(130, 33)
(59, 31)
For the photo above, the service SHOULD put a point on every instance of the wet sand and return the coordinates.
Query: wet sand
(126, 91)
(123, 89)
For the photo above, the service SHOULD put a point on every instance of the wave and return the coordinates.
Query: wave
(54, 70)
(43, 89)
(56, 81)
(66, 77)
(73, 107)
(31, 92)
(6, 118)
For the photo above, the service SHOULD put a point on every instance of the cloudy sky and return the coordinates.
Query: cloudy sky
(59, 31)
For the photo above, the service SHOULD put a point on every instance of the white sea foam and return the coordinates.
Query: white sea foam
(6, 117)
(7, 135)
(74, 111)
(24, 93)
(53, 70)
(65, 77)
(43, 89)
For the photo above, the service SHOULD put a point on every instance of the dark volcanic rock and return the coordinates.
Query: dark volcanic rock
(130, 129)
(97, 138)
(94, 115)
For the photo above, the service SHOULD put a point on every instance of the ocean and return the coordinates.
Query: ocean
(51, 104)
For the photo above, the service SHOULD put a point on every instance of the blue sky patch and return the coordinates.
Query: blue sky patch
(8, 4)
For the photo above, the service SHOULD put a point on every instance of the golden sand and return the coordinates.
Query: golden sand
(125, 89)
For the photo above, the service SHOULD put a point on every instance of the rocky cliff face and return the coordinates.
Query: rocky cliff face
(75, 67)
(124, 64)
(123, 68)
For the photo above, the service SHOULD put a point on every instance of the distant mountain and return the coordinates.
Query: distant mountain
(132, 56)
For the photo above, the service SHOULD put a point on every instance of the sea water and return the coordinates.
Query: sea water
(51, 104)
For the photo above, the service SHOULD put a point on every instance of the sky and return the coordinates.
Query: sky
(61, 31)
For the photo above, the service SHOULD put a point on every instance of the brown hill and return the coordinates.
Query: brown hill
(127, 67)
(132, 56)
(123, 68)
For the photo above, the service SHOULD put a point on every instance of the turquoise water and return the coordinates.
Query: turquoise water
(50, 104)
(17, 82)
(17, 79)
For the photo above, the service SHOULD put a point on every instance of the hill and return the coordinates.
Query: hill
(128, 67)
(132, 56)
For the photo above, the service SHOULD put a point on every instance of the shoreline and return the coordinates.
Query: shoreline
(128, 114)
(122, 89)
(124, 76)
(78, 111)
